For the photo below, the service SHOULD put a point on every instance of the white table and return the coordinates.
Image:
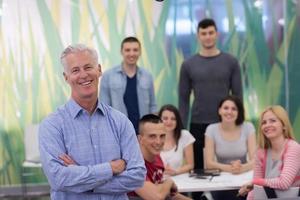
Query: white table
(225, 181)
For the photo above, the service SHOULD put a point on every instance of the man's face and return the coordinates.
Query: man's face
(152, 138)
(131, 52)
(207, 37)
(82, 74)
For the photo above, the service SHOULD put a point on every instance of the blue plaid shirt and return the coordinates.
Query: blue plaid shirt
(92, 141)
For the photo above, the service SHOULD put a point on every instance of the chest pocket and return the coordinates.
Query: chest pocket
(117, 82)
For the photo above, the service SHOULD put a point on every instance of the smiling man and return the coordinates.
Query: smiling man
(127, 87)
(152, 136)
(88, 149)
(211, 75)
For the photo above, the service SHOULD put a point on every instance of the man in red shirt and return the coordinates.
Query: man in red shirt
(151, 137)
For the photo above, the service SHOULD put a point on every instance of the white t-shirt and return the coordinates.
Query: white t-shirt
(175, 158)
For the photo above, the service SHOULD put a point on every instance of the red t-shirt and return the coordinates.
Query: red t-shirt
(155, 172)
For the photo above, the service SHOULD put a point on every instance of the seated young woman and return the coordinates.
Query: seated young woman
(230, 143)
(277, 161)
(177, 154)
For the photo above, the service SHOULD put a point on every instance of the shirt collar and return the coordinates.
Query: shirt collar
(120, 69)
(75, 108)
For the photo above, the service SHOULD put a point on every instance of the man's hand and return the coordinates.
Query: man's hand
(174, 190)
(118, 166)
(68, 160)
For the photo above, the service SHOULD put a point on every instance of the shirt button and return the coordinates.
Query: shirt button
(95, 146)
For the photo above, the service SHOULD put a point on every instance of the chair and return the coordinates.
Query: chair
(32, 154)
(31, 167)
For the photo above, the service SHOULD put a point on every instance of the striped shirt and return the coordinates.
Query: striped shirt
(290, 167)
(289, 171)
(92, 141)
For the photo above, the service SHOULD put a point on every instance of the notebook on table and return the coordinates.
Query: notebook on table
(204, 173)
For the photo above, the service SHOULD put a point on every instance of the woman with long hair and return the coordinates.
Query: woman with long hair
(177, 154)
(277, 161)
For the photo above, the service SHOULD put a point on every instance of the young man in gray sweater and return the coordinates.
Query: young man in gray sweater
(211, 75)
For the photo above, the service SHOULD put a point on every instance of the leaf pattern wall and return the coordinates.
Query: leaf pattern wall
(263, 34)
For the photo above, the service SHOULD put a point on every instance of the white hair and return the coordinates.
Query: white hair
(75, 49)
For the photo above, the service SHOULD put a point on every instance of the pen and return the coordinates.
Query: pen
(238, 195)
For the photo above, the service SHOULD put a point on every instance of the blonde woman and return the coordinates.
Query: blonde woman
(277, 162)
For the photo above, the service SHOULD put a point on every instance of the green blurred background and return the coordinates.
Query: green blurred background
(263, 34)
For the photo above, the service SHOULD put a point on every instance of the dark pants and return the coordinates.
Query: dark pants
(228, 194)
(198, 131)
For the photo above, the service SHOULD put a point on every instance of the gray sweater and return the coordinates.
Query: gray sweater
(210, 79)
